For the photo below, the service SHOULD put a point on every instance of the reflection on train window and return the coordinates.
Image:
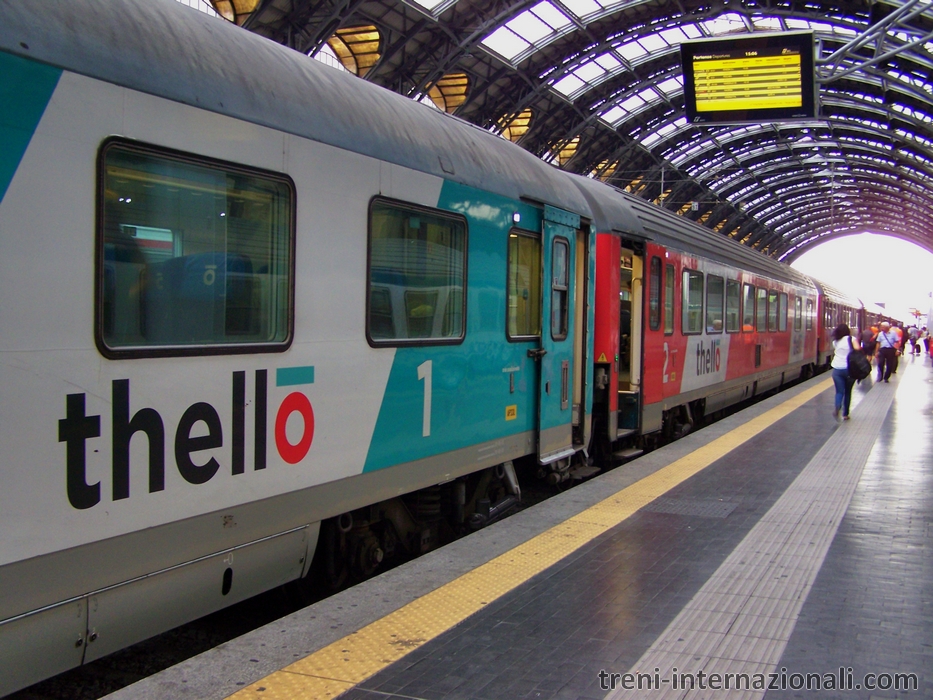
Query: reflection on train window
(733, 300)
(761, 310)
(560, 284)
(417, 266)
(524, 292)
(773, 310)
(782, 312)
(809, 314)
(654, 294)
(668, 299)
(692, 321)
(798, 313)
(193, 253)
(748, 309)
(714, 294)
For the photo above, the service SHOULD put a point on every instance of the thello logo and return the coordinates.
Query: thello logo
(76, 428)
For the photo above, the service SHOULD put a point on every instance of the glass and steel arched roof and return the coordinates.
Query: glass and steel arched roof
(595, 86)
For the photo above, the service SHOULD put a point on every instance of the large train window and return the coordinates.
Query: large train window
(668, 299)
(798, 313)
(733, 301)
(692, 321)
(714, 300)
(560, 284)
(761, 309)
(772, 310)
(195, 256)
(748, 309)
(782, 312)
(810, 314)
(523, 316)
(417, 275)
(654, 294)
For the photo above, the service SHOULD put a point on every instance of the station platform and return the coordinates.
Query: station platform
(770, 551)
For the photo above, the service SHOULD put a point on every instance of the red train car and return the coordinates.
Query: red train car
(688, 322)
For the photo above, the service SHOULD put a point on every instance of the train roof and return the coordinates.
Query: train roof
(616, 210)
(837, 296)
(166, 49)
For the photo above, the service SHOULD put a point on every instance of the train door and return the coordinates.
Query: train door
(631, 302)
(555, 356)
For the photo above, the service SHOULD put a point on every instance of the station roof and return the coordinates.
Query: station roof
(595, 87)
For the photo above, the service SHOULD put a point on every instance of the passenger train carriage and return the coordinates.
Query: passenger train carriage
(261, 319)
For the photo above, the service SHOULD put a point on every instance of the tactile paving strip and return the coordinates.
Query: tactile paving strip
(742, 618)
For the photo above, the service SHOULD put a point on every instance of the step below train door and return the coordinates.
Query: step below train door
(631, 303)
(555, 357)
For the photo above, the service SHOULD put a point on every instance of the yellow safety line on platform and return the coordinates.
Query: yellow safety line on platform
(348, 662)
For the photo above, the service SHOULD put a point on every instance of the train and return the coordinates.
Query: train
(263, 321)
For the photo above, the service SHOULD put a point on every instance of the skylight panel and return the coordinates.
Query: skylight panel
(797, 23)
(631, 51)
(671, 85)
(772, 24)
(506, 43)
(582, 8)
(632, 103)
(551, 15)
(673, 36)
(568, 85)
(589, 71)
(653, 42)
(648, 95)
(613, 115)
(608, 61)
(724, 24)
(691, 30)
(529, 27)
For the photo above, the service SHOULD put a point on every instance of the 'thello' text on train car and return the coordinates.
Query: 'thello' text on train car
(77, 428)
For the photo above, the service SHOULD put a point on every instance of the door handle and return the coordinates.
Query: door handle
(537, 354)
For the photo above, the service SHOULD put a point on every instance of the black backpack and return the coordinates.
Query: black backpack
(858, 365)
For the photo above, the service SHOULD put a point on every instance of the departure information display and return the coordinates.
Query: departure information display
(750, 78)
(747, 79)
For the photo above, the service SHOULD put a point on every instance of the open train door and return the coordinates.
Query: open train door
(555, 357)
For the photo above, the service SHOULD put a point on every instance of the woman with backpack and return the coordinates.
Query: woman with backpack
(842, 345)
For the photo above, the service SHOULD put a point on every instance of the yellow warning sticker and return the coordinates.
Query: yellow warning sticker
(511, 412)
(602, 357)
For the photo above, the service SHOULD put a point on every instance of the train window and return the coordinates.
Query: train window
(668, 299)
(714, 300)
(809, 314)
(417, 272)
(782, 312)
(523, 315)
(772, 310)
(692, 321)
(761, 309)
(560, 284)
(733, 300)
(195, 255)
(748, 309)
(654, 294)
(798, 313)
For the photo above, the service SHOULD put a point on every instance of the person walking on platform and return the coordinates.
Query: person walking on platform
(842, 345)
(867, 339)
(887, 351)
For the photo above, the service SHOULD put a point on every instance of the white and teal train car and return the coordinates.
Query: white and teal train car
(243, 294)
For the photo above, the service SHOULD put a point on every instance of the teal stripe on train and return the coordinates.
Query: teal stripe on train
(470, 382)
(25, 90)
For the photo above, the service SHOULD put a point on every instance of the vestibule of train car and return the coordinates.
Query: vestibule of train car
(631, 292)
(580, 429)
